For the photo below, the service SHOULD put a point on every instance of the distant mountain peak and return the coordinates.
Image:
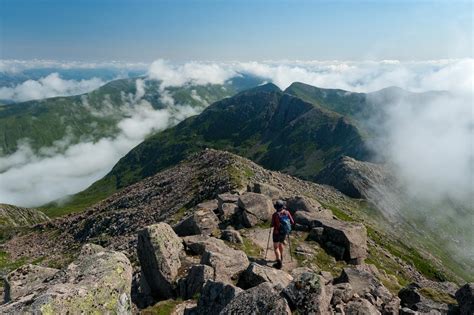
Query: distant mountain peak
(267, 87)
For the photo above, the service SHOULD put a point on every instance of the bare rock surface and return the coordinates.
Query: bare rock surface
(202, 221)
(194, 281)
(256, 274)
(256, 208)
(215, 296)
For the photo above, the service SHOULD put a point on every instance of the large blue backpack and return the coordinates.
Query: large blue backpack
(285, 223)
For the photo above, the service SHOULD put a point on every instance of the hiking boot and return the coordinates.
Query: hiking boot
(277, 265)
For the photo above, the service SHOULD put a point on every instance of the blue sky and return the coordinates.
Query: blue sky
(223, 30)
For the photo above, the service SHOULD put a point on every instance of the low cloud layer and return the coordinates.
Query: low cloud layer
(49, 86)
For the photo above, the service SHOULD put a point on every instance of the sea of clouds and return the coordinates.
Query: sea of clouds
(431, 148)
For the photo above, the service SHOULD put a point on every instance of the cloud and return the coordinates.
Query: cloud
(49, 86)
(30, 179)
(190, 73)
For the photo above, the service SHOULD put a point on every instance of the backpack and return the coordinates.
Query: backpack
(285, 223)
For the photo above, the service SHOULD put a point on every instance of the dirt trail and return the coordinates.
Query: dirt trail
(260, 238)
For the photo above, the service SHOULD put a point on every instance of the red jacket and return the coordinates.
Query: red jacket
(276, 220)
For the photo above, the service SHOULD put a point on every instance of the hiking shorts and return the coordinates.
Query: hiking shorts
(279, 238)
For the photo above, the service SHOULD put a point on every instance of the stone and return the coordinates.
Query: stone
(228, 211)
(232, 236)
(256, 274)
(304, 204)
(360, 307)
(215, 296)
(26, 279)
(95, 283)
(411, 298)
(311, 219)
(227, 262)
(194, 281)
(465, 298)
(307, 294)
(159, 250)
(267, 190)
(342, 293)
(262, 299)
(196, 244)
(201, 221)
(256, 209)
(226, 198)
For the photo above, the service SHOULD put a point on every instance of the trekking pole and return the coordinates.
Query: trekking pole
(289, 247)
(268, 243)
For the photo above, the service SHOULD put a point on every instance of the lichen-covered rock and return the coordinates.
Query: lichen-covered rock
(26, 279)
(159, 250)
(193, 282)
(262, 299)
(202, 221)
(256, 274)
(465, 298)
(307, 294)
(227, 262)
(267, 190)
(97, 282)
(256, 208)
(232, 236)
(215, 296)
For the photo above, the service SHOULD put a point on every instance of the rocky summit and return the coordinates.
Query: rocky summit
(196, 239)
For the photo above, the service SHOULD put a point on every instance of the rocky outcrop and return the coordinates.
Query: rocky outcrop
(215, 296)
(99, 281)
(203, 221)
(465, 298)
(262, 299)
(256, 209)
(12, 216)
(159, 250)
(307, 294)
(194, 281)
(256, 274)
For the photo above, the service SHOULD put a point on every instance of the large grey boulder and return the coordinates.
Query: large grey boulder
(256, 274)
(304, 204)
(465, 298)
(267, 190)
(227, 206)
(159, 250)
(312, 219)
(197, 244)
(227, 262)
(345, 240)
(256, 209)
(360, 307)
(262, 299)
(308, 295)
(194, 281)
(25, 279)
(98, 282)
(202, 221)
(215, 296)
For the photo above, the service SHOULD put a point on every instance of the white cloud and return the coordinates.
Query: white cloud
(49, 86)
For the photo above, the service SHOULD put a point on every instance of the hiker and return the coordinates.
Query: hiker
(281, 223)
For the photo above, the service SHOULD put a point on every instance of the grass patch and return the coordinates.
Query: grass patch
(341, 215)
(7, 264)
(437, 296)
(161, 308)
(250, 248)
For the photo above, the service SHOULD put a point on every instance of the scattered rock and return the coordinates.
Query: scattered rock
(193, 282)
(97, 282)
(256, 274)
(465, 298)
(26, 279)
(262, 299)
(256, 208)
(307, 294)
(232, 236)
(202, 221)
(159, 250)
(215, 296)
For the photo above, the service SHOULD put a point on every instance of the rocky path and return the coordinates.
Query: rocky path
(260, 238)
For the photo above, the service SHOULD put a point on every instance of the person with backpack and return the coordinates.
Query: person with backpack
(281, 223)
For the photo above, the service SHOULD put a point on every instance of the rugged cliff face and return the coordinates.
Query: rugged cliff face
(12, 216)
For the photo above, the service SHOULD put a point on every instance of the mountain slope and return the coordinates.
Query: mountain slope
(276, 130)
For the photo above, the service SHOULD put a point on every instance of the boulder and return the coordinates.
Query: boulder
(312, 219)
(25, 279)
(345, 240)
(97, 282)
(411, 298)
(228, 211)
(360, 307)
(196, 244)
(304, 204)
(262, 299)
(307, 294)
(256, 209)
(465, 298)
(201, 221)
(215, 296)
(256, 274)
(159, 250)
(193, 282)
(342, 293)
(226, 198)
(232, 236)
(267, 190)
(227, 262)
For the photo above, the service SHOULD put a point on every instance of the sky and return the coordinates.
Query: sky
(218, 30)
